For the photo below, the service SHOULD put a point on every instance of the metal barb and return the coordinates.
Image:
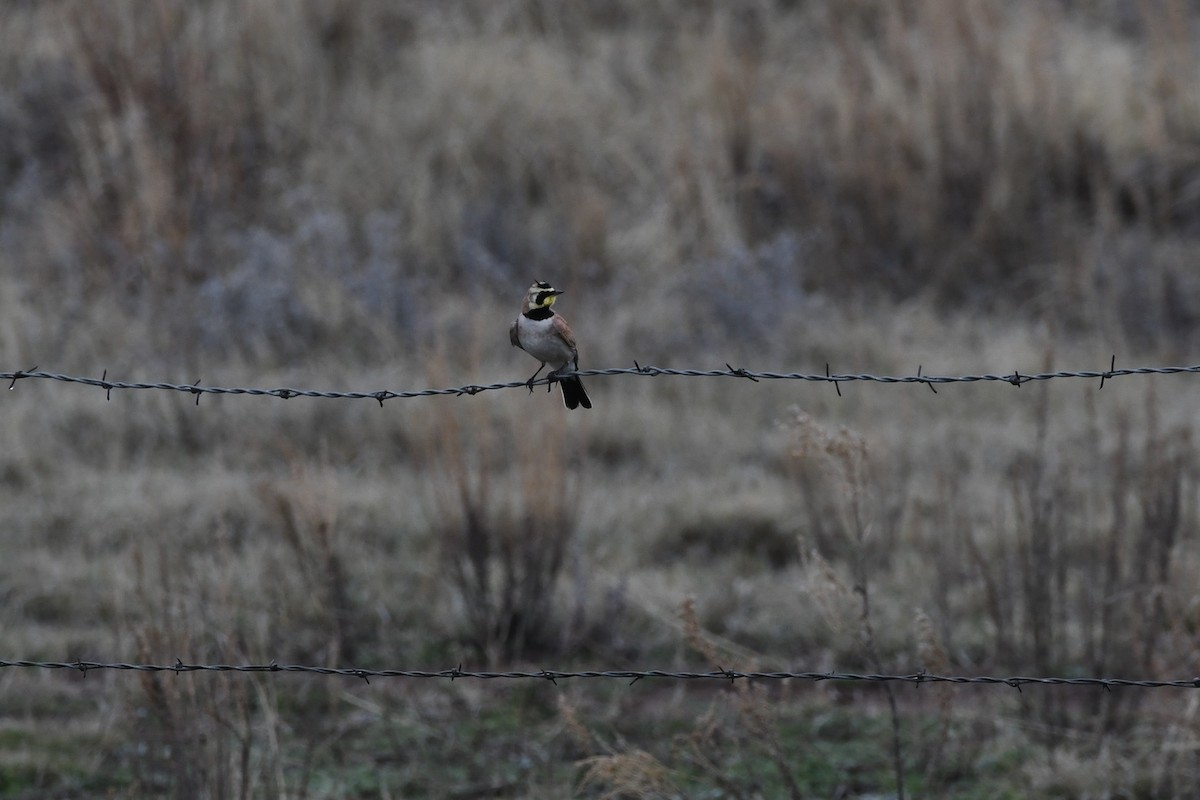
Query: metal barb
(926, 381)
(18, 375)
(835, 383)
(740, 373)
(1111, 366)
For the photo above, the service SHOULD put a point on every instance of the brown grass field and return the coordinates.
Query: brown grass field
(332, 194)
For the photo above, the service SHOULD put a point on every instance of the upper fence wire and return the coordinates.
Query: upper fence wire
(1015, 378)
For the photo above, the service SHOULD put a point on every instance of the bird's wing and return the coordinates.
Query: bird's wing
(564, 332)
(512, 335)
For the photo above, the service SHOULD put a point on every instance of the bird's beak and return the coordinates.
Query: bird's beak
(559, 291)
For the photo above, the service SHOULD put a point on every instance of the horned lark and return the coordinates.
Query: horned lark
(547, 337)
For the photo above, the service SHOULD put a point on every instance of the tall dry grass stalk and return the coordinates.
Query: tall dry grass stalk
(614, 770)
(634, 773)
(304, 507)
(213, 735)
(836, 465)
(174, 131)
(743, 723)
(935, 661)
(741, 727)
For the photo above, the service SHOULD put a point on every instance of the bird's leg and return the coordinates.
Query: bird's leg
(553, 376)
(529, 382)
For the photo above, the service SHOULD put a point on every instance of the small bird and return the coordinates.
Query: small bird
(547, 337)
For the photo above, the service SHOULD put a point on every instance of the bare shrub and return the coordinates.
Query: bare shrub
(1079, 576)
(504, 502)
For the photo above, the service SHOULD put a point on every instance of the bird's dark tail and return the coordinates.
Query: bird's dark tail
(573, 393)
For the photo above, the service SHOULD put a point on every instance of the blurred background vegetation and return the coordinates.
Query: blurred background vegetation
(356, 193)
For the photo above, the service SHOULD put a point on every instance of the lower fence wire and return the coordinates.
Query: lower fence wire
(633, 676)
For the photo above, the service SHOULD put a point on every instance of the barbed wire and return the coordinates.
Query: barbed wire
(1015, 378)
(633, 676)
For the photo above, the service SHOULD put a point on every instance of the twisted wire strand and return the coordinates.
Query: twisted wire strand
(631, 675)
(1015, 378)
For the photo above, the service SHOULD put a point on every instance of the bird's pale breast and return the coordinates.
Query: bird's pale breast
(541, 340)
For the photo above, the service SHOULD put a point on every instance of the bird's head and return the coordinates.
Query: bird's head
(542, 294)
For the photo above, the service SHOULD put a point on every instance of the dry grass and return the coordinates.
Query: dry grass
(318, 194)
